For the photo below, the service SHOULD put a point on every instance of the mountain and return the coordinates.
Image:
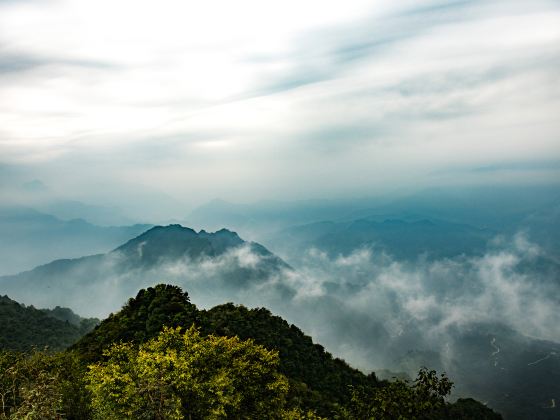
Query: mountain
(73, 209)
(68, 316)
(322, 380)
(374, 311)
(24, 327)
(265, 217)
(317, 378)
(29, 238)
(498, 208)
(219, 263)
(175, 242)
(318, 381)
(403, 240)
(140, 319)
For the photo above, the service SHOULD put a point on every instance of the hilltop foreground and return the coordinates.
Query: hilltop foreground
(161, 357)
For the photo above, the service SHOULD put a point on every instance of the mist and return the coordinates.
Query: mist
(489, 320)
(418, 305)
(384, 307)
(399, 160)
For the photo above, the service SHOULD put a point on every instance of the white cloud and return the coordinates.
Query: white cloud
(502, 287)
(365, 95)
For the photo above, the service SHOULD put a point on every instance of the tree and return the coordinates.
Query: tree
(185, 375)
(141, 319)
(399, 400)
(29, 386)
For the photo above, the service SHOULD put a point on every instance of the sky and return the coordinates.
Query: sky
(251, 100)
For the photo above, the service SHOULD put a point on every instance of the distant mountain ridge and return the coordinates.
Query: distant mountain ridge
(173, 242)
(173, 251)
(176, 241)
(29, 237)
(399, 238)
(500, 208)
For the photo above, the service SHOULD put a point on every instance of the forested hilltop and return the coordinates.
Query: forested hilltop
(161, 357)
(25, 327)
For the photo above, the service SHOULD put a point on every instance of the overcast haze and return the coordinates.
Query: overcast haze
(396, 163)
(252, 100)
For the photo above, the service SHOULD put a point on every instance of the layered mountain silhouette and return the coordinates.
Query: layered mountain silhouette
(399, 238)
(201, 260)
(29, 237)
(220, 267)
(499, 209)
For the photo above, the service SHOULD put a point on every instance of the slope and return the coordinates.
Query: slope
(220, 261)
(317, 380)
(29, 238)
(24, 327)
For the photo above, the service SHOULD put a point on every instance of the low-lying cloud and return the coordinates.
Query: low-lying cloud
(365, 307)
(417, 305)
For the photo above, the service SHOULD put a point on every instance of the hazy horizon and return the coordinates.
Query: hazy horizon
(392, 170)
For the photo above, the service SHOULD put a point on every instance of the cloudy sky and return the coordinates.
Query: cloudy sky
(250, 100)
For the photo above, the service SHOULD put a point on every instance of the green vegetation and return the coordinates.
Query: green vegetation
(42, 385)
(141, 319)
(66, 315)
(24, 327)
(318, 381)
(399, 400)
(185, 375)
(162, 358)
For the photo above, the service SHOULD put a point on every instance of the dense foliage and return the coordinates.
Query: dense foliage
(162, 358)
(318, 380)
(398, 399)
(185, 375)
(42, 385)
(24, 327)
(141, 319)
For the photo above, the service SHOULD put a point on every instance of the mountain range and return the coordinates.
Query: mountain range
(29, 238)
(203, 261)
(519, 379)
(401, 239)
(318, 382)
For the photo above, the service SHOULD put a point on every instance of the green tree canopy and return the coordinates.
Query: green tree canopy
(141, 319)
(29, 386)
(185, 375)
(24, 327)
(399, 400)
